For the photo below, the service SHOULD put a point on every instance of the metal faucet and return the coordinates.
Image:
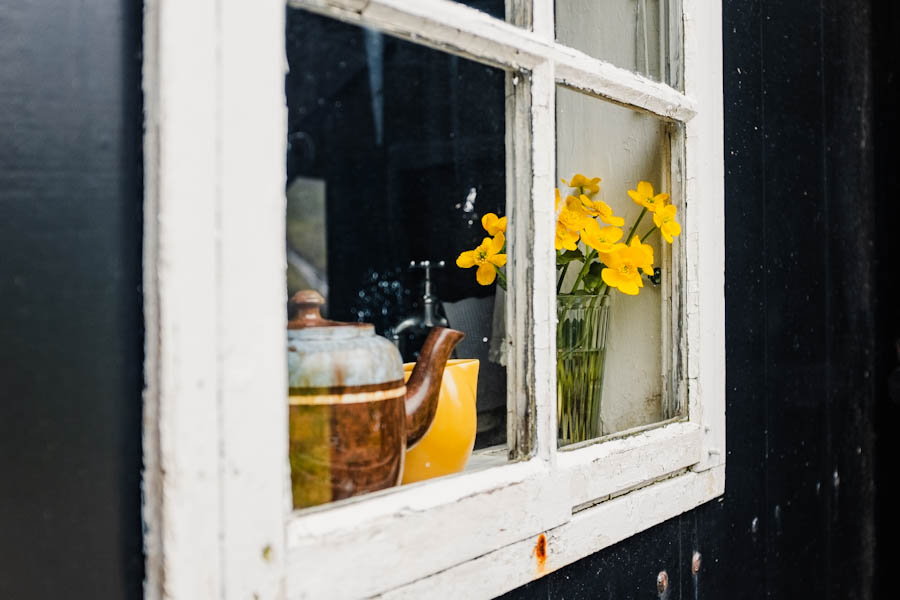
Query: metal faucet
(428, 318)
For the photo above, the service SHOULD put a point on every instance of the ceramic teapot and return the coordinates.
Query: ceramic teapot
(352, 418)
(447, 446)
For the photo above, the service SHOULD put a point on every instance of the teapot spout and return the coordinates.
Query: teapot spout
(424, 385)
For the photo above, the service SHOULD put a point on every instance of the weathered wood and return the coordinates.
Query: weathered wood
(251, 295)
(219, 331)
(454, 28)
(215, 417)
(588, 531)
(601, 470)
(703, 235)
(181, 428)
(390, 539)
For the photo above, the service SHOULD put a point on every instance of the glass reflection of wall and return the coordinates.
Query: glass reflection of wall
(395, 151)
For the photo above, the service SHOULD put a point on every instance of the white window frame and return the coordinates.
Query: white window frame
(216, 480)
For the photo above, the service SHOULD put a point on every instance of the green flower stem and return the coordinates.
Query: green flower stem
(562, 276)
(501, 279)
(635, 226)
(646, 235)
(584, 269)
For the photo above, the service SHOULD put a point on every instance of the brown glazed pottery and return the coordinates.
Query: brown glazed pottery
(351, 416)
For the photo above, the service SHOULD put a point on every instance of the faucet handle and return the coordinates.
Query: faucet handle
(427, 265)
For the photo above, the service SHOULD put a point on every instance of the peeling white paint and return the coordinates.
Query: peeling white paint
(215, 420)
(215, 482)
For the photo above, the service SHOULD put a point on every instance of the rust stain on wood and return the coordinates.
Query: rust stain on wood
(540, 553)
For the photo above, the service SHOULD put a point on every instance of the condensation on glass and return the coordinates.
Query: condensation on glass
(644, 36)
(395, 153)
(639, 370)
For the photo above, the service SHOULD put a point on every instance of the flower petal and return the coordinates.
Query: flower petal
(489, 222)
(611, 234)
(645, 189)
(486, 274)
(498, 260)
(629, 287)
(610, 277)
(466, 259)
(674, 227)
(497, 244)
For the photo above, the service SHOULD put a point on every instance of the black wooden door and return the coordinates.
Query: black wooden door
(811, 97)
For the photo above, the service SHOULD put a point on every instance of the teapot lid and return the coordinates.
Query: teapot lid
(305, 306)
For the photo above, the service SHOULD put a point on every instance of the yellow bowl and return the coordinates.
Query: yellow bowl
(448, 444)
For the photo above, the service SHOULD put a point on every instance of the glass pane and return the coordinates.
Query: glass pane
(395, 154)
(612, 333)
(495, 8)
(644, 36)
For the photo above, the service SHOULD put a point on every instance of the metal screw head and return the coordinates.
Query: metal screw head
(662, 582)
(695, 563)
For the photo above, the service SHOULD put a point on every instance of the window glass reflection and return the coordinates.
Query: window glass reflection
(395, 153)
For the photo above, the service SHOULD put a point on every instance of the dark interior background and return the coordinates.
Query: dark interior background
(400, 134)
(811, 97)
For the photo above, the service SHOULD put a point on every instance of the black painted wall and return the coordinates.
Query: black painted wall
(71, 346)
(811, 97)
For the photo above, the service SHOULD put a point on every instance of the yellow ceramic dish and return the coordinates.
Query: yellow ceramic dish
(448, 444)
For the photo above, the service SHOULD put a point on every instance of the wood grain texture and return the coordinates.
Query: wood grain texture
(216, 420)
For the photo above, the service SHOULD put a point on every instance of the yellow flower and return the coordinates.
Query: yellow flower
(565, 238)
(486, 257)
(583, 184)
(643, 255)
(643, 195)
(599, 208)
(601, 239)
(665, 220)
(492, 224)
(622, 266)
(573, 215)
(569, 222)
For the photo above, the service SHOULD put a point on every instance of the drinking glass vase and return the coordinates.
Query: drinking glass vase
(581, 332)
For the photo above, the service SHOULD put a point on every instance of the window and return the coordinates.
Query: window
(216, 480)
